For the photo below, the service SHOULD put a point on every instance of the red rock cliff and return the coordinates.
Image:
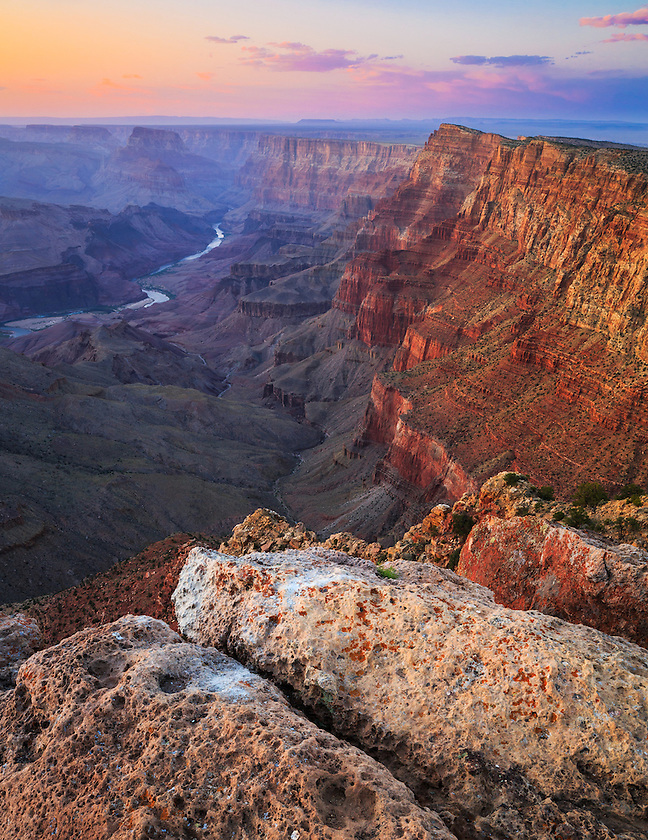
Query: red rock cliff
(513, 291)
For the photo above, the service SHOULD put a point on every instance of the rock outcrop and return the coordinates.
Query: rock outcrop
(508, 276)
(124, 731)
(532, 564)
(509, 724)
(20, 636)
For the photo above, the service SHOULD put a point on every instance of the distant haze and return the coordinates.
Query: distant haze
(294, 59)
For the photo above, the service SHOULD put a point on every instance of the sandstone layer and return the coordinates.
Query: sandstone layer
(508, 278)
(126, 732)
(509, 724)
(531, 564)
(318, 174)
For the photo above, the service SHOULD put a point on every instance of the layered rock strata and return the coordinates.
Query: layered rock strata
(124, 731)
(510, 724)
(319, 174)
(511, 285)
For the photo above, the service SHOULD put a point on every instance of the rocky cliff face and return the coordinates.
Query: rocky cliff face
(157, 738)
(499, 722)
(319, 175)
(511, 285)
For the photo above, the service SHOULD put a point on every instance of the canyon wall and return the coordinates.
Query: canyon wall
(315, 174)
(509, 277)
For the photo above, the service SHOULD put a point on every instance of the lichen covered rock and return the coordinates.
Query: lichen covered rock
(123, 731)
(509, 724)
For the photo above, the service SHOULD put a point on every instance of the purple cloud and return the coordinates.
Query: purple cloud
(623, 19)
(503, 60)
(625, 36)
(294, 56)
(233, 39)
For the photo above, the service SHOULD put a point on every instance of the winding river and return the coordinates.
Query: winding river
(154, 295)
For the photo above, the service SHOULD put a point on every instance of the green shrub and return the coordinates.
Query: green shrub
(512, 479)
(546, 492)
(453, 559)
(386, 572)
(590, 494)
(632, 524)
(628, 491)
(577, 518)
(462, 523)
(559, 515)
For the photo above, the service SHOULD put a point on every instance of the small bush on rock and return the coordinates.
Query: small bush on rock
(462, 523)
(386, 572)
(578, 518)
(590, 494)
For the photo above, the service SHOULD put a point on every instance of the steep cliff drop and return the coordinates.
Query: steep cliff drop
(509, 283)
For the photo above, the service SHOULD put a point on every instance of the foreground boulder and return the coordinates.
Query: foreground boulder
(123, 731)
(509, 724)
(531, 564)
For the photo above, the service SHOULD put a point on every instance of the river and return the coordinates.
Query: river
(154, 295)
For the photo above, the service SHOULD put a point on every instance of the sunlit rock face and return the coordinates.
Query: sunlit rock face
(533, 564)
(507, 723)
(511, 285)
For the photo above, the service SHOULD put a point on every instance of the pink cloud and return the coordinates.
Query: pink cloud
(131, 76)
(625, 36)
(292, 56)
(206, 77)
(623, 19)
(233, 39)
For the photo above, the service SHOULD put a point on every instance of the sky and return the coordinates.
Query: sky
(335, 59)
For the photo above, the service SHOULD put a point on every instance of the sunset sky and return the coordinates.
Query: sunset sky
(293, 59)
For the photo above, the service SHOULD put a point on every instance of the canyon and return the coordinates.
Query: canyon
(436, 315)
(418, 352)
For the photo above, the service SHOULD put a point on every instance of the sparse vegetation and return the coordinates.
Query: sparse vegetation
(453, 559)
(589, 494)
(512, 479)
(387, 572)
(632, 493)
(577, 517)
(462, 523)
(546, 492)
